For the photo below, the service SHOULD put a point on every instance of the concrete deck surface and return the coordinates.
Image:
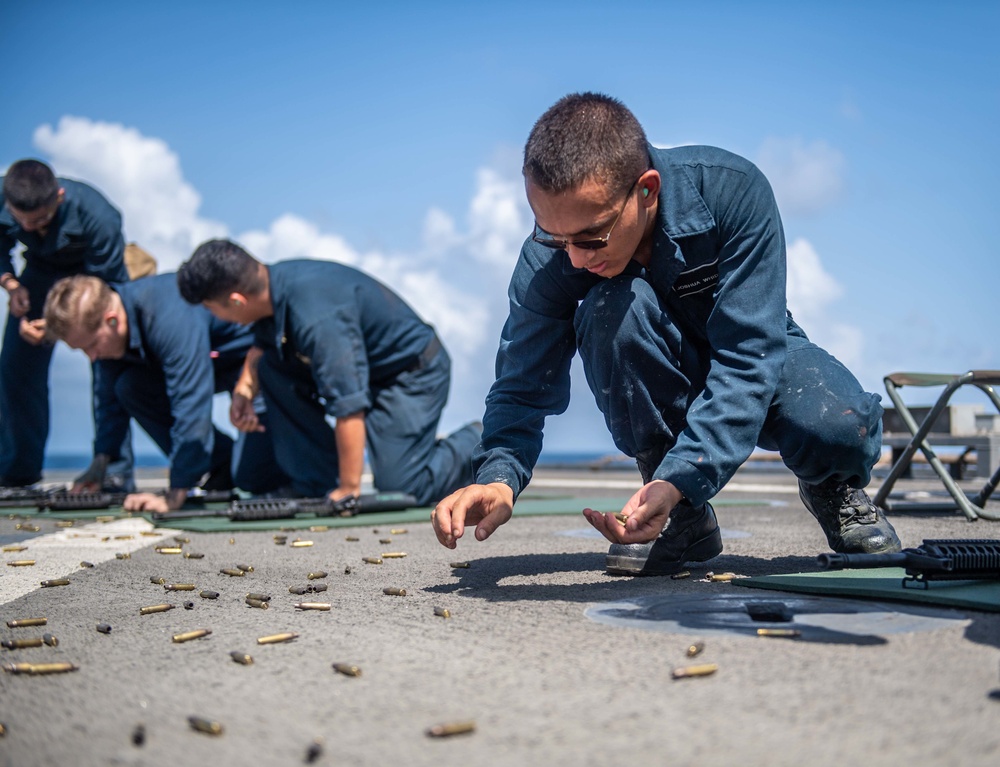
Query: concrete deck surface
(544, 683)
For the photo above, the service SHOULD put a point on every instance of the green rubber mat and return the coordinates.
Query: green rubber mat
(884, 583)
(525, 507)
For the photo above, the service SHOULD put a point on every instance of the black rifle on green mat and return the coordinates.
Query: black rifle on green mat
(938, 560)
(291, 508)
(64, 500)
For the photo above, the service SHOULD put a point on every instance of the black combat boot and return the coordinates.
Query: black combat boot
(852, 523)
(691, 535)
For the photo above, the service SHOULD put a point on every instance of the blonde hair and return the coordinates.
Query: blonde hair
(76, 302)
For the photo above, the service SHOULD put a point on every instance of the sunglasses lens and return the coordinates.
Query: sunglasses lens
(590, 244)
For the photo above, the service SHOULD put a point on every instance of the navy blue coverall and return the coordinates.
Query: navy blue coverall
(85, 237)
(694, 360)
(178, 356)
(341, 343)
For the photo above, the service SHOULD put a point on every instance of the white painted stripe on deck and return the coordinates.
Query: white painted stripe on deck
(58, 554)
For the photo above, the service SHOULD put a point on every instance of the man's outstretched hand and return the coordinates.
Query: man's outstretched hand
(646, 514)
(485, 506)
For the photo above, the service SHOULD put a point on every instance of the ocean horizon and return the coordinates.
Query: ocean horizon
(65, 461)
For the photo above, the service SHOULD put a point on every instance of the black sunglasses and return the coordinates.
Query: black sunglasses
(595, 243)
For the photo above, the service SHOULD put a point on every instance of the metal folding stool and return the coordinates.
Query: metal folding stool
(973, 506)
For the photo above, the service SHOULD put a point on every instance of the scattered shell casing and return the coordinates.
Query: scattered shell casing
(394, 592)
(159, 581)
(206, 726)
(21, 563)
(297, 544)
(704, 669)
(241, 657)
(155, 609)
(13, 548)
(123, 555)
(258, 603)
(319, 528)
(39, 668)
(169, 549)
(179, 587)
(87, 565)
(721, 577)
(150, 533)
(21, 644)
(281, 539)
(232, 541)
(385, 540)
(398, 531)
(347, 669)
(3, 730)
(50, 640)
(393, 554)
(372, 560)
(182, 539)
(187, 636)
(27, 527)
(352, 538)
(316, 588)
(316, 575)
(245, 568)
(232, 571)
(55, 582)
(65, 523)
(188, 605)
(261, 597)
(460, 565)
(786, 633)
(695, 649)
(681, 575)
(25, 622)
(299, 590)
(139, 735)
(287, 636)
(324, 606)
(208, 594)
(193, 555)
(451, 728)
(442, 612)
(124, 537)
(105, 518)
(315, 751)
(104, 628)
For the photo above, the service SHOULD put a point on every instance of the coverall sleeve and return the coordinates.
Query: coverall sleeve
(110, 419)
(106, 254)
(746, 331)
(537, 345)
(183, 348)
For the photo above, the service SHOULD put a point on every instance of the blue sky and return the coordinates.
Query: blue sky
(388, 135)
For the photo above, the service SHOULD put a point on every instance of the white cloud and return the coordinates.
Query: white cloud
(806, 178)
(811, 293)
(140, 175)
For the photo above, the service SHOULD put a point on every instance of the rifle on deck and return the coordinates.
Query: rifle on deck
(293, 508)
(937, 560)
(63, 500)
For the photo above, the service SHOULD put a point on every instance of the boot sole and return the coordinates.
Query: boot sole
(700, 551)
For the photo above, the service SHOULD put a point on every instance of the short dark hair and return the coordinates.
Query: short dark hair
(30, 185)
(586, 136)
(216, 269)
